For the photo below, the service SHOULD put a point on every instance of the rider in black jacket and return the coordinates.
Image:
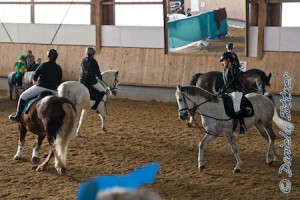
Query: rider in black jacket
(48, 76)
(90, 71)
(232, 86)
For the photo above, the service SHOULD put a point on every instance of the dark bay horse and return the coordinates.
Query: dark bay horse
(253, 80)
(54, 118)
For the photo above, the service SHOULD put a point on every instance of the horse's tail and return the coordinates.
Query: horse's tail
(66, 132)
(276, 119)
(76, 92)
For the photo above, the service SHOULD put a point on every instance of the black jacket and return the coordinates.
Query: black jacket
(90, 71)
(49, 75)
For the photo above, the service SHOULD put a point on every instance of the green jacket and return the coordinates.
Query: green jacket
(21, 68)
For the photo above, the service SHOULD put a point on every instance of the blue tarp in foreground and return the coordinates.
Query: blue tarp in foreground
(199, 27)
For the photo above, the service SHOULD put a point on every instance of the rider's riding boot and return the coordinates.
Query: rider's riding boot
(16, 117)
(243, 128)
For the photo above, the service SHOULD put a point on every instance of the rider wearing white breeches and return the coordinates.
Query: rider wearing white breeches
(48, 76)
(233, 85)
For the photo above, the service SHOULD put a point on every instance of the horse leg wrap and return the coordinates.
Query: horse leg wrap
(19, 152)
(35, 153)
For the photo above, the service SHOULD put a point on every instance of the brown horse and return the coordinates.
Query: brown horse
(253, 80)
(54, 118)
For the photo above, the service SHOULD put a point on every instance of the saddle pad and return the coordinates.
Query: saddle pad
(29, 103)
(94, 94)
(246, 106)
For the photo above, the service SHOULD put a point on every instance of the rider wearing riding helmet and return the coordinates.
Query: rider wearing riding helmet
(20, 70)
(48, 76)
(233, 86)
(90, 71)
(230, 48)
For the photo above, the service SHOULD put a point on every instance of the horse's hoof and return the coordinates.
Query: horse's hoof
(78, 135)
(189, 125)
(61, 171)
(202, 168)
(104, 129)
(270, 163)
(236, 170)
(35, 160)
(17, 157)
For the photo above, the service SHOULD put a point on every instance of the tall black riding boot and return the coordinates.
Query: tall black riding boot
(16, 117)
(243, 128)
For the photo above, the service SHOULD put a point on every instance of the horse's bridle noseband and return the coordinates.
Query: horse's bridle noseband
(114, 88)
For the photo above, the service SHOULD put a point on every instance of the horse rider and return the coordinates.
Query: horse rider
(48, 76)
(230, 48)
(233, 86)
(20, 70)
(90, 71)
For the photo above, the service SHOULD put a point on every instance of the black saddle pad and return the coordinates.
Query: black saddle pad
(246, 107)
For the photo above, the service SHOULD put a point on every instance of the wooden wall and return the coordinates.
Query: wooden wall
(151, 67)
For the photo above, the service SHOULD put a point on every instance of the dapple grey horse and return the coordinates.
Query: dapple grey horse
(26, 83)
(217, 123)
(80, 96)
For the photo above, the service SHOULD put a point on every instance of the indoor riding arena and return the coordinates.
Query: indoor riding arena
(142, 122)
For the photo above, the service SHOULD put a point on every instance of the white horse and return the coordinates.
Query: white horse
(216, 122)
(80, 96)
(26, 83)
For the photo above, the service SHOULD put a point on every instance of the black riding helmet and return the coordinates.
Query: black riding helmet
(52, 54)
(229, 46)
(226, 55)
(90, 51)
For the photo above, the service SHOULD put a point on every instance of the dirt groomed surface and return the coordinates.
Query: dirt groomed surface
(140, 132)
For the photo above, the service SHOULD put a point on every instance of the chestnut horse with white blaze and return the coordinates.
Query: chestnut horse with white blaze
(52, 117)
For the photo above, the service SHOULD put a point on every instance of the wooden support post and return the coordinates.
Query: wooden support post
(32, 16)
(274, 14)
(247, 29)
(92, 17)
(166, 35)
(97, 20)
(254, 13)
(262, 18)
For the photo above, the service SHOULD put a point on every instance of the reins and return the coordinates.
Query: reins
(192, 112)
(108, 89)
(108, 86)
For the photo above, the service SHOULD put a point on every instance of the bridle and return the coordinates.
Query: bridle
(195, 107)
(114, 88)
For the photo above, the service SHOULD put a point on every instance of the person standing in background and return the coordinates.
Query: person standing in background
(30, 59)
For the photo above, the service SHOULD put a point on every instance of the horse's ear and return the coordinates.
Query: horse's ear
(269, 76)
(179, 87)
(117, 72)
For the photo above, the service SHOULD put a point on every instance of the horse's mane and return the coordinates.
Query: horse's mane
(197, 91)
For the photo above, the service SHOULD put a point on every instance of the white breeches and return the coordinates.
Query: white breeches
(236, 98)
(34, 91)
(99, 87)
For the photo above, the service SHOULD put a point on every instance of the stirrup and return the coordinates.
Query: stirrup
(14, 117)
